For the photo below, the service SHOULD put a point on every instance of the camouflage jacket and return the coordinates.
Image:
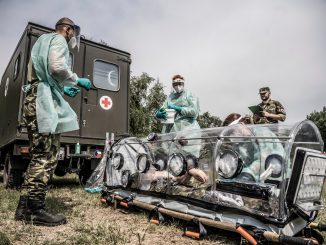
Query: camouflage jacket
(274, 107)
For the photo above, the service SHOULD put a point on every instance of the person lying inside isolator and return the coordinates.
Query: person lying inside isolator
(191, 181)
(262, 158)
(184, 178)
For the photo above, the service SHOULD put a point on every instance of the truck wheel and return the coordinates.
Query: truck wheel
(12, 178)
(85, 172)
(60, 170)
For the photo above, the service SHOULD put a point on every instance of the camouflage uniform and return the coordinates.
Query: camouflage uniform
(193, 188)
(43, 148)
(272, 106)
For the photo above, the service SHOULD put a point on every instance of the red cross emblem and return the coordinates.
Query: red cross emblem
(106, 102)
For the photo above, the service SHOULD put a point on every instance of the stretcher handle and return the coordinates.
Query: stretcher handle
(192, 234)
(124, 204)
(246, 235)
(296, 240)
(154, 221)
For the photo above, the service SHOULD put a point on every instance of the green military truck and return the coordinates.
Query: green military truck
(104, 108)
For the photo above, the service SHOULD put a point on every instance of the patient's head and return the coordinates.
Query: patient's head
(230, 118)
(235, 118)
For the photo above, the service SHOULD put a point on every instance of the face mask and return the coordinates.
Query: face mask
(72, 43)
(178, 88)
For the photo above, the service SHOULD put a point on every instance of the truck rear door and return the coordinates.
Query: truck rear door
(105, 105)
(76, 61)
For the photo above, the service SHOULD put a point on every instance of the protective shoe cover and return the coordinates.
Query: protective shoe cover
(39, 216)
(21, 211)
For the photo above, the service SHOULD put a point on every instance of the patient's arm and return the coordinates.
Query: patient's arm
(197, 173)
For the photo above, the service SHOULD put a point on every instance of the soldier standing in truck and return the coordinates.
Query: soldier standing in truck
(47, 115)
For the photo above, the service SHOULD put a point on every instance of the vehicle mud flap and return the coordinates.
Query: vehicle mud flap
(195, 229)
(155, 217)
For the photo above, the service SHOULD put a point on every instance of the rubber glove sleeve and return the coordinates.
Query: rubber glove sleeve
(84, 82)
(175, 107)
(161, 114)
(71, 91)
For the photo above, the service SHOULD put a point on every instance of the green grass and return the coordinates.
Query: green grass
(89, 222)
(4, 239)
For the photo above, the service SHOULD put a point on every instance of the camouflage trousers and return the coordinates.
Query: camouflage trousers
(43, 151)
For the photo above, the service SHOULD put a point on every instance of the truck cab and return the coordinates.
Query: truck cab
(104, 108)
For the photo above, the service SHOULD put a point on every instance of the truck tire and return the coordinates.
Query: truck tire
(60, 169)
(59, 172)
(12, 178)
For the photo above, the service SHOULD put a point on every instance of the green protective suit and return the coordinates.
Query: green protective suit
(185, 120)
(50, 56)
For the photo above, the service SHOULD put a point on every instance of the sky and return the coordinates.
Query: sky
(225, 49)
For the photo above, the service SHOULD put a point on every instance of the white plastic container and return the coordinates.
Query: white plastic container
(170, 113)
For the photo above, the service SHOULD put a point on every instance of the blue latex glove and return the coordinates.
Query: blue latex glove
(175, 107)
(161, 114)
(70, 91)
(84, 82)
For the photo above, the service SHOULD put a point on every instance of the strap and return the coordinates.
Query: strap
(195, 229)
(154, 214)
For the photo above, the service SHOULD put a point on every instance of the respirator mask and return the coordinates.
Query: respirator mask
(178, 85)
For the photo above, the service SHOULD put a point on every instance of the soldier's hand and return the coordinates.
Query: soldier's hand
(266, 114)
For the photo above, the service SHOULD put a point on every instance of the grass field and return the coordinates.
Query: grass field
(89, 222)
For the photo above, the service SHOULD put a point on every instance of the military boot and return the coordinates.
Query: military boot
(22, 211)
(39, 215)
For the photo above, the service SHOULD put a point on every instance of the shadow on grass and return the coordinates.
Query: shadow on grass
(213, 234)
(69, 181)
(4, 240)
(59, 204)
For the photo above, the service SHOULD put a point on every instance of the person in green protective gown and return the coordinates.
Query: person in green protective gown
(186, 107)
(47, 115)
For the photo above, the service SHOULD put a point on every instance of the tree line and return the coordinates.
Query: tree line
(147, 95)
